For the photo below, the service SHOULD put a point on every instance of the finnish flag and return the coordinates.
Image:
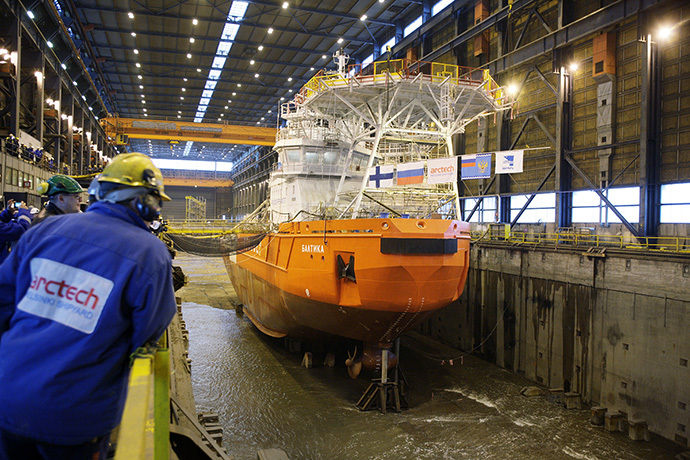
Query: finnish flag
(381, 176)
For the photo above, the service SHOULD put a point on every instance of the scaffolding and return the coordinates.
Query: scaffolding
(195, 208)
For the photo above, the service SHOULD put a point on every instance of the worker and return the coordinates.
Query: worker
(79, 295)
(14, 221)
(64, 195)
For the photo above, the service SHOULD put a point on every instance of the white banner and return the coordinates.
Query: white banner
(442, 170)
(509, 161)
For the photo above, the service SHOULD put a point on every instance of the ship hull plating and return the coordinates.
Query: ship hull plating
(364, 279)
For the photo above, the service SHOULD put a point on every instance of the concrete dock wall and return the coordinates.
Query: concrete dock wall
(614, 327)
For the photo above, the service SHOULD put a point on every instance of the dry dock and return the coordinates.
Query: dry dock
(470, 410)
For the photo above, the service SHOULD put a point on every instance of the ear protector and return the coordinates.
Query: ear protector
(148, 206)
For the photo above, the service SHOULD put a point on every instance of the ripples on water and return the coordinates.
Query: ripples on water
(265, 399)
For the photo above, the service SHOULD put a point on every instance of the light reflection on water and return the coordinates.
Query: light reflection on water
(264, 399)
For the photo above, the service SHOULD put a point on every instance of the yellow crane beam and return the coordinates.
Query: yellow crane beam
(119, 130)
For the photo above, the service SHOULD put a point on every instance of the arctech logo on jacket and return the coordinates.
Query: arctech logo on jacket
(66, 294)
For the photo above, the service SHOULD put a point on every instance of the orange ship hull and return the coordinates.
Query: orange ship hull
(364, 279)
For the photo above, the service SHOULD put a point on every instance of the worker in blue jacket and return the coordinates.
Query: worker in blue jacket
(14, 221)
(78, 296)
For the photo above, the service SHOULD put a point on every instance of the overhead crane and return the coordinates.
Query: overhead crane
(119, 130)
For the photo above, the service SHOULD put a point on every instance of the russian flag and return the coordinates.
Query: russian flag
(411, 173)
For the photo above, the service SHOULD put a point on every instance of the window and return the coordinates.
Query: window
(293, 156)
(589, 208)
(675, 203)
(330, 158)
(414, 25)
(440, 6)
(541, 209)
(311, 157)
(368, 60)
(485, 213)
(390, 43)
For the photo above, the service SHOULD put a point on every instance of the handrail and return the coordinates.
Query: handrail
(666, 244)
(145, 426)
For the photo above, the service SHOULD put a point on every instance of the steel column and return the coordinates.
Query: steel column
(649, 139)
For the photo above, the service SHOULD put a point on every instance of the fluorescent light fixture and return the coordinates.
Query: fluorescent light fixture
(211, 84)
(49, 43)
(324, 57)
(218, 62)
(63, 65)
(30, 14)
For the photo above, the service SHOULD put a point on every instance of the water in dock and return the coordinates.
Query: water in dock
(471, 410)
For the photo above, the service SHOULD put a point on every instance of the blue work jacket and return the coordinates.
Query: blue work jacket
(78, 295)
(12, 230)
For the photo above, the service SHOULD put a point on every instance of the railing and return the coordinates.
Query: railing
(398, 69)
(657, 244)
(145, 426)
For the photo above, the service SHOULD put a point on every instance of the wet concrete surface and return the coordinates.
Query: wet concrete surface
(471, 410)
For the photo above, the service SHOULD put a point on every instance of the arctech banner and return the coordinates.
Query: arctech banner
(442, 170)
(65, 294)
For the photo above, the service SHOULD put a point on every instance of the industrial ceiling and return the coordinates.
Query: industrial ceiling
(217, 61)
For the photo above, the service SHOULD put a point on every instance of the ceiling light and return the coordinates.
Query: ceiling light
(252, 62)
(363, 18)
(91, 108)
(226, 105)
(290, 79)
(311, 69)
(282, 98)
(63, 65)
(269, 111)
(179, 111)
(182, 98)
(145, 111)
(222, 114)
(184, 89)
(262, 118)
(324, 57)
(146, 114)
(49, 43)
(261, 47)
(189, 55)
(285, 5)
(195, 21)
(270, 30)
(219, 119)
(573, 66)
(136, 51)
(664, 32)
(139, 77)
(234, 94)
(143, 101)
(179, 116)
(258, 122)
(143, 95)
(138, 65)
(256, 75)
(30, 14)
(83, 97)
(131, 15)
(340, 40)
(134, 34)
(239, 85)
(141, 86)
(191, 39)
(184, 79)
(198, 70)
(74, 83)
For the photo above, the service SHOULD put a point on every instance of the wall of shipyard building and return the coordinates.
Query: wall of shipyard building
(218, 201)
(613, 327)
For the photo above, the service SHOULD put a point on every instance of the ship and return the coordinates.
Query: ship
(357, 253)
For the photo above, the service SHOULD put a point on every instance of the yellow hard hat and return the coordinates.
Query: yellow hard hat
(134, 170)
